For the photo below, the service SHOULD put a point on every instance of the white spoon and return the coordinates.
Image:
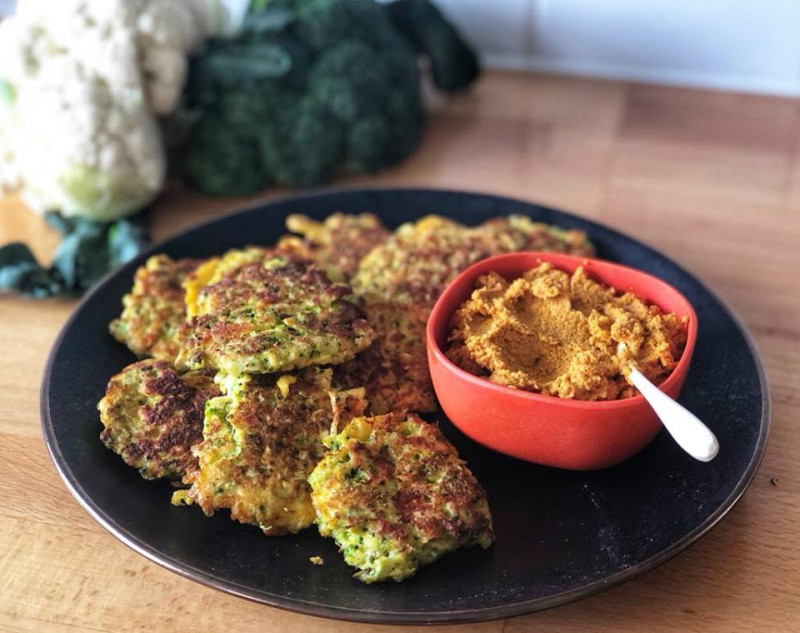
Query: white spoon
(685, 428)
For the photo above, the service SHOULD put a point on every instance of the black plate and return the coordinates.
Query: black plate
(560, 535)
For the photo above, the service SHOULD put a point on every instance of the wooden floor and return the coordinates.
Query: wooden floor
(712, 179)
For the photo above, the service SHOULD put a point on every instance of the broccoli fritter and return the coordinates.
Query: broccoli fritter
(394, 369)
(394, 495)
(151, 323)
(261, 441)
(153, 416)
(262, 311)
(337, 244)
(219, 270)
(417, 263)
(400, 280)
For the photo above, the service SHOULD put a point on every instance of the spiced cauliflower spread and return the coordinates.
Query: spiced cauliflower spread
(563, 335)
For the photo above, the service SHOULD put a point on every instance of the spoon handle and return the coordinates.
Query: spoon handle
(686, 429)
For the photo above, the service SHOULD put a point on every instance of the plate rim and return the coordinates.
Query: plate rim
(399, 617)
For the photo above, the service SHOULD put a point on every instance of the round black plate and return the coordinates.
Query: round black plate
(560, 535)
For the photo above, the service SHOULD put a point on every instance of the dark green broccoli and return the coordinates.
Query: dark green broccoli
(222, 161)
(308, 89)
(349, 81)
(453, 62)
(304, 148)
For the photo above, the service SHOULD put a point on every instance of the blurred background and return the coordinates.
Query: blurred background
(613, 110)
(729, 44)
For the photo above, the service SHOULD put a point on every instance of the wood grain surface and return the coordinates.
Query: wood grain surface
(712, 179)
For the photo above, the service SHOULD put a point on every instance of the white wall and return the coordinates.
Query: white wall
(743, 45)
(747, 45)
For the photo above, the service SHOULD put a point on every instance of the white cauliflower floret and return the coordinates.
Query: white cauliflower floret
(83, 80)
(82, 149)
(167, 32)
(120, 39)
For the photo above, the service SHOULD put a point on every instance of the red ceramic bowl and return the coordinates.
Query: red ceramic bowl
(572, 434)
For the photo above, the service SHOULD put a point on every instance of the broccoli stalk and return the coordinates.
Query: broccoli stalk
(453, 62)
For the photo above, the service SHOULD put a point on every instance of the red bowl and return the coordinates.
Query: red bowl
(572, 434)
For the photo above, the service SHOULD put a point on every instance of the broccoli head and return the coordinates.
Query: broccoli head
(310, 88)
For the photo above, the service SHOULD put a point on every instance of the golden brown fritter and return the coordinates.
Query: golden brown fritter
(154, 311)
(394, 495)
(153, 416)
(514, 233)
(262, 311)
(417, 263)
(260, 442)
(394, 369)
(399, 282)
(218, 270)
(337, 244)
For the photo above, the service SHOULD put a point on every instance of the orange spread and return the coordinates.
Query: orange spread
(563, 335)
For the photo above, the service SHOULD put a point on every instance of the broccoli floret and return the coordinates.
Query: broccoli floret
(304, 148)
(310, 88)
(20, 272)
(220, 162)
(368, 143)
(349, 81)
(239, 110)
(248, 110)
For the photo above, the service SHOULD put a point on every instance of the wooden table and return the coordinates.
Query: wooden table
(712, 179)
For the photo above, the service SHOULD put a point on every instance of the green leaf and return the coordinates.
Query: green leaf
(126, 239)
(87, 251)
(20, 272)
(81, 259)
(248, 62)
(259, 5)
(59, 222)
(268, 20)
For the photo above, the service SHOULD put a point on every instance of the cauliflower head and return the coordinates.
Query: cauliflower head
(81, 82)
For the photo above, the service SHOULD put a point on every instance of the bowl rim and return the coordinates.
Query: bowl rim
(437, 314)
